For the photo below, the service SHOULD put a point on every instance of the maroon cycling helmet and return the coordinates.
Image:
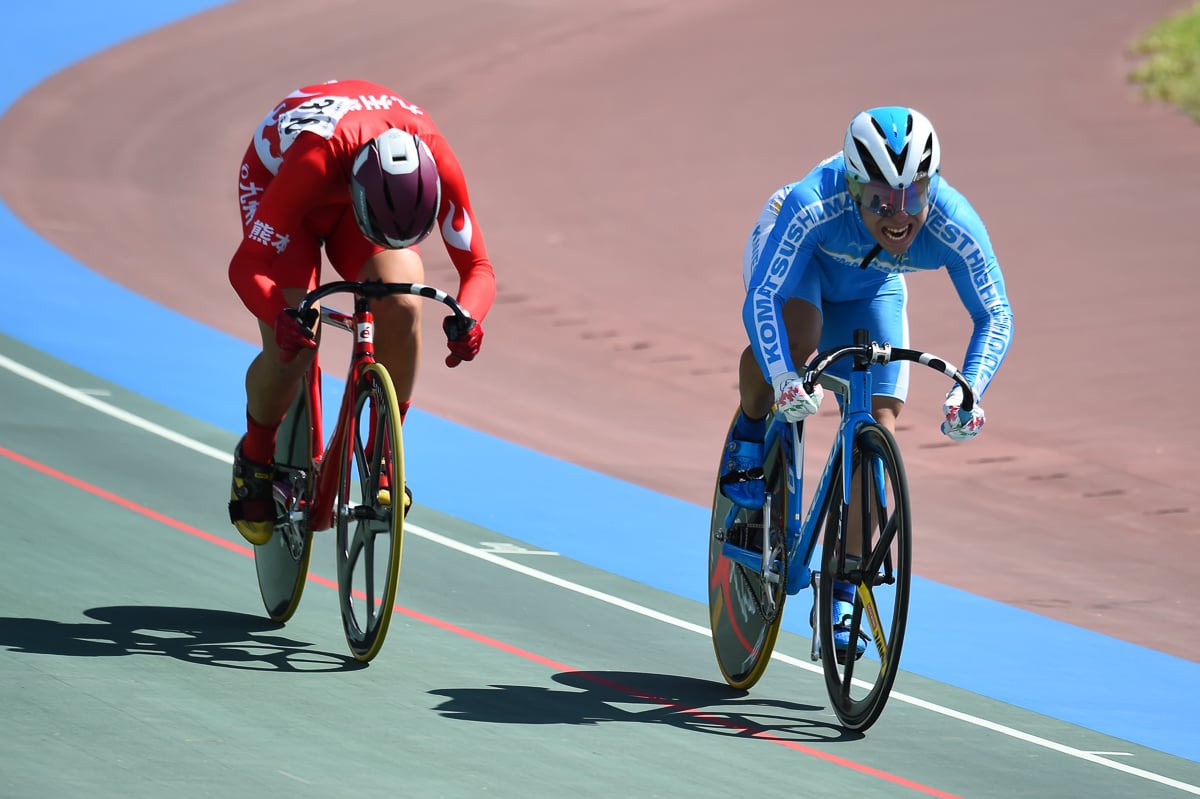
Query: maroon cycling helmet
(395, 189)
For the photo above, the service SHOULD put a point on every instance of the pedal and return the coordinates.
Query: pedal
(384, 498)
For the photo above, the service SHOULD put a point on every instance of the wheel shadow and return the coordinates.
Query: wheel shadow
(194, 635)
(687, 703)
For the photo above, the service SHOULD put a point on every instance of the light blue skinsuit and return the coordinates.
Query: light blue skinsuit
(810, 242)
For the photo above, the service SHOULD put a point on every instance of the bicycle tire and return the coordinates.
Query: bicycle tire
(859, 687)
(743, 634)
(366, 588)
(282, 562)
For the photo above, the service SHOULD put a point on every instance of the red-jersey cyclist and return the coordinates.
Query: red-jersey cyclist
(354, 168)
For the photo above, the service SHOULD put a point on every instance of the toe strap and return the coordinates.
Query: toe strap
(741, 452)
(742, 476)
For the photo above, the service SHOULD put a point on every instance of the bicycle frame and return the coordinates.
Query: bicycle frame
(856, 412)
(801, 534)
(362, 324)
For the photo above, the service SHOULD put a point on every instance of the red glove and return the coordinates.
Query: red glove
(463, 337)
(293, 334)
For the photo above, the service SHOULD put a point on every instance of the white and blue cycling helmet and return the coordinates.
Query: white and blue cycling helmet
(894, 144)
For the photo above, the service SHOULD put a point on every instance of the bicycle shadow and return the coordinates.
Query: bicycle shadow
(195, 635)
(687, 703)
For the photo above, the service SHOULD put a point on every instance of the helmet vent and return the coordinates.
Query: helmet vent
(927, 158)
(865, 158)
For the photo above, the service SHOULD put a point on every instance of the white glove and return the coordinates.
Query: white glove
(791, 399)
(953, 426)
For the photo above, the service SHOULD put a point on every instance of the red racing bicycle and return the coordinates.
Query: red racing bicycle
(351, 484)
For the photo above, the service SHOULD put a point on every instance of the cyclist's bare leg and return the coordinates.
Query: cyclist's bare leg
(397, 318)
(803, 322)
(754, 390)
(271, 384)
(885, 410)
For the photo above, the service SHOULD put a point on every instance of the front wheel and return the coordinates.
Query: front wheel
(370, 513)
(870, 557)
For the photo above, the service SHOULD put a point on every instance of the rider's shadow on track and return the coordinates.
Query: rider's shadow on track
(606, 696)
(208, 637)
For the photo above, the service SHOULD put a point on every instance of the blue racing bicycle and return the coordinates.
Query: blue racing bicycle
(759, 557)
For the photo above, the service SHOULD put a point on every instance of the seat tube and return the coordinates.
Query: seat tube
(364, 329)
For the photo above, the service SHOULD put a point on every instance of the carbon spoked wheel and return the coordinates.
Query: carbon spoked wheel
(282, 562)
(744, 611)
(370, 531)
(859, 687)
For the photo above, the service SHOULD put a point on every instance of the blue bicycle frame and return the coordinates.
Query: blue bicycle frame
(801, 537)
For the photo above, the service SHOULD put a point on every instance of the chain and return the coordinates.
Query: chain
(764, 585)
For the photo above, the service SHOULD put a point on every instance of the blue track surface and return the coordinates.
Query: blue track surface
(974, 643)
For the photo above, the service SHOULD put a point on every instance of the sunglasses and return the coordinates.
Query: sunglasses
(882, 200)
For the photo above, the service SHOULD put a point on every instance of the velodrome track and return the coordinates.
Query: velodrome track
(137, 663)
(95, 575)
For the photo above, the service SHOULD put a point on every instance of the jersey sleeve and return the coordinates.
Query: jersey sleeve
(979, 282)
(463, 238)
(306, 175)
(779, 253)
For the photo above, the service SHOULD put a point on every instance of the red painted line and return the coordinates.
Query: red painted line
(483, 639)
(766, 735)
(751, 731)
(49, 471)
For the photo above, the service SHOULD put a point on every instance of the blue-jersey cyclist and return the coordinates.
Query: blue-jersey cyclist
(828, 255)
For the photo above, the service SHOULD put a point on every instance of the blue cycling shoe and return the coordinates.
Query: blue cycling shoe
(843, 611)
(742, 473)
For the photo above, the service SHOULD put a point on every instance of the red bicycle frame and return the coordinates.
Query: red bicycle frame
(325, 490)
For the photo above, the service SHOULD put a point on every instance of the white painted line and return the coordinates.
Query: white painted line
(625, 604)
(83, 398)
(633, 607)
(294, 777)
(506, 548)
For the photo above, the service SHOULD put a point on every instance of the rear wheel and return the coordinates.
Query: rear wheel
(859, 686)
(744, 610)
(282, 562)
(370, 531)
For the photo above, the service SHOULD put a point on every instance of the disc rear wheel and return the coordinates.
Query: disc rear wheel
(745, 610)
(282, 562)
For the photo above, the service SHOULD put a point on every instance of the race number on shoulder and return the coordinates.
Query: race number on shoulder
(320, 115)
